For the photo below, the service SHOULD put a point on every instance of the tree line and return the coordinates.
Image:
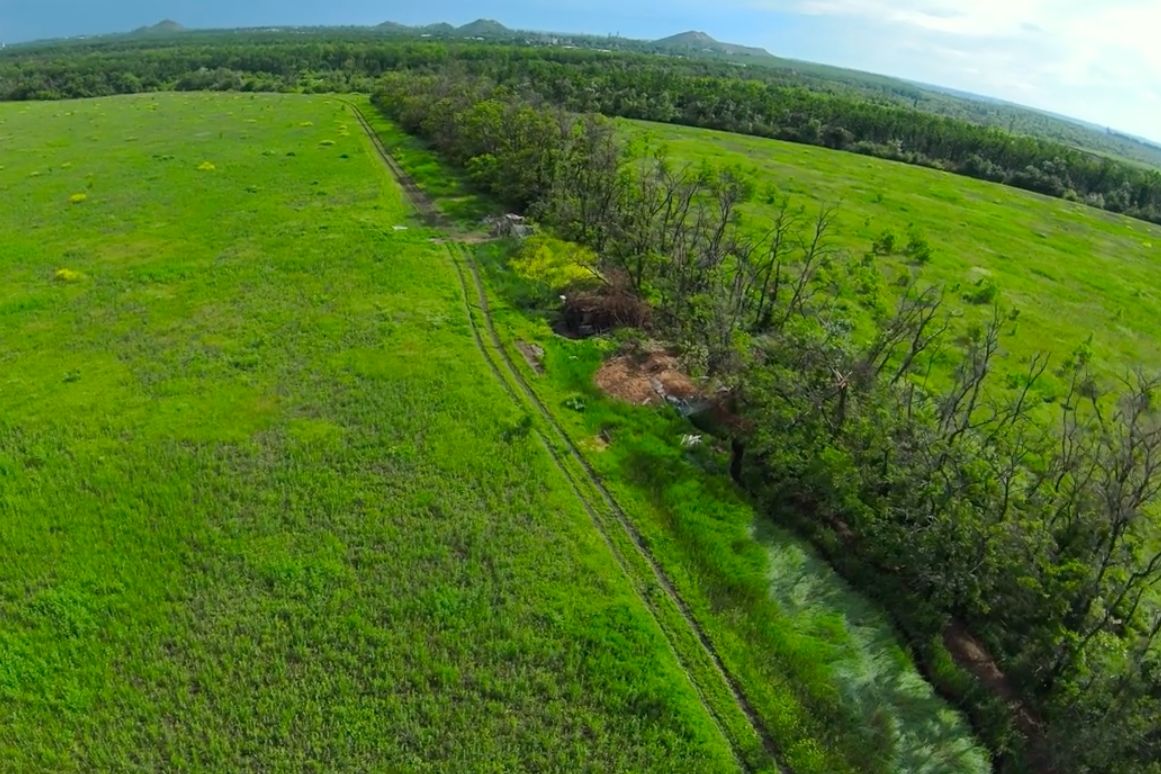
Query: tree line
(760, 101)
(948, 495)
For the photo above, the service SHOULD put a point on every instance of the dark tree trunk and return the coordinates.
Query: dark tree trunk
(738, 453)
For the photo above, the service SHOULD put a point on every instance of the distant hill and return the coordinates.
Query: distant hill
(480, 28)
(166, 27)
(484, 28)
(701, 43)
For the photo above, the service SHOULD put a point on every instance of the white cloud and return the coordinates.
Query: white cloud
(1098, 59)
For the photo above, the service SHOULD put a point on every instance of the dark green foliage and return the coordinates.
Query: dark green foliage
(918, 248)
(984, 291)
(774, 102)
(884, 244)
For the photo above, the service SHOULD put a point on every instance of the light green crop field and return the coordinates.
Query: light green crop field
(262, 506)
(1070, 270)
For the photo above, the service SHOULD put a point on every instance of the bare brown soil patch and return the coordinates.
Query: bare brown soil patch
(645, 378)
(972, 655)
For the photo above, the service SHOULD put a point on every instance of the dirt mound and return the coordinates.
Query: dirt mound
(645, 378)
(587, 313)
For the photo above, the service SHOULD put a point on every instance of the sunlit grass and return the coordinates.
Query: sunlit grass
(1071, 271)
(262, 505)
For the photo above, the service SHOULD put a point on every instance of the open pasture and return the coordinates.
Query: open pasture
(262, 506)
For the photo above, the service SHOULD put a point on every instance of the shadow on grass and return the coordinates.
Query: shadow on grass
(875, 676)
(850, 655)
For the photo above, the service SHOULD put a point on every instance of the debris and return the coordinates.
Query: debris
(690, 441)
(533, 355)
(510, 225)
(587, 313)
(647, 378)
(575, 404)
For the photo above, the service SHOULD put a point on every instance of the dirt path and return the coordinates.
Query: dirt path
(635, 560)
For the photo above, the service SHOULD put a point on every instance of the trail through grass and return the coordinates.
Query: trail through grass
(822, 666)
(261, 504)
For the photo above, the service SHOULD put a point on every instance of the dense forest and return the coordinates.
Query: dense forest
(955, 501)
(762, 101)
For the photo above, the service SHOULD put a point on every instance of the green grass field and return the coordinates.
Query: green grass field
(823, 667)
(1072, 271)
(262, 506)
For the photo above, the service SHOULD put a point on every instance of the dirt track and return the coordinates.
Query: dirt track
(605, 512)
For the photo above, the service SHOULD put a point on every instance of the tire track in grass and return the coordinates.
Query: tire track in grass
(739, 723)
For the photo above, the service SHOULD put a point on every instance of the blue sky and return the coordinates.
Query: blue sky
(1094, 59)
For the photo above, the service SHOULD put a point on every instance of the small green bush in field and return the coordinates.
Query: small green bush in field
(885, 244)
(983, 292)
(78, 198)
(554, 263)
(918, 249)
(68, 275)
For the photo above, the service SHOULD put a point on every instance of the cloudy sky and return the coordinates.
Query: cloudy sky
(1098, 60)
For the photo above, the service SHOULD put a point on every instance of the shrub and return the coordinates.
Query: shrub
(983, 292)
(918, 249)
(206, 166)
(885, 244)
(68, 275)
(553, 263)
(77, 198)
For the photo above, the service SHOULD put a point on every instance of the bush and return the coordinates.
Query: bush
(68, 275)
(78, 198)
(554, 264)
(206, 166)
(918, 249)
(884, 244)
(983, 292)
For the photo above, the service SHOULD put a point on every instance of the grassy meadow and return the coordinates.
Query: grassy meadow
(1072, 271)
(822, 665)
(262, 505)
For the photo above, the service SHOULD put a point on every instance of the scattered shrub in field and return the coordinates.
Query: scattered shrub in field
(68, 275)
(327, 143)
(918, 248)
(305, 124)
(983, 292)
(77, 198)
(206, 166)
(884, 244)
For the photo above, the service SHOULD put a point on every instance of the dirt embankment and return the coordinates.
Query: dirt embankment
(645, 378)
